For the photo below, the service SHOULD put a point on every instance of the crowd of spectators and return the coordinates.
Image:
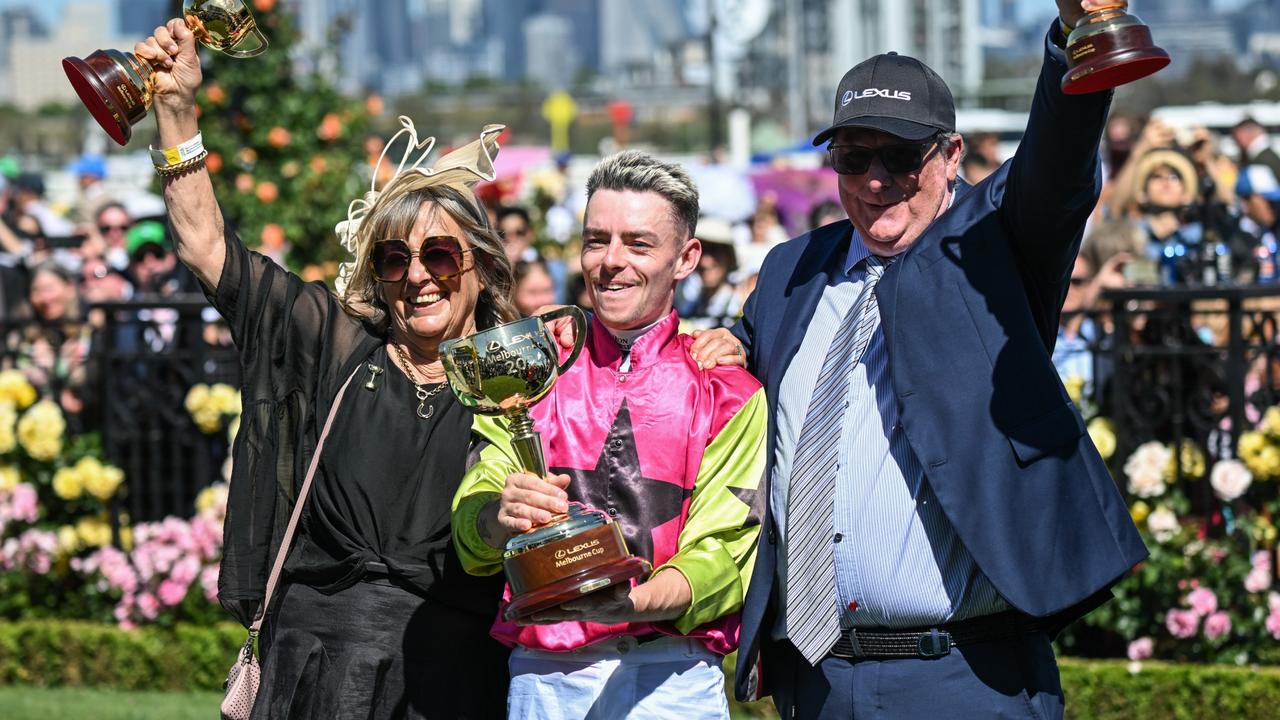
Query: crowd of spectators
(1176, 211)
(57, 267)
(1183, 209)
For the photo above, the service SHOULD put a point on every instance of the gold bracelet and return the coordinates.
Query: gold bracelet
(183, 167)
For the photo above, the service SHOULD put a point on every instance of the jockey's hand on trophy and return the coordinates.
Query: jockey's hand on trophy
(528, 501)
(1073, 11)
(171, 50)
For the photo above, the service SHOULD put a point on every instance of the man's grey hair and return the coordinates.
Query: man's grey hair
(641, 172)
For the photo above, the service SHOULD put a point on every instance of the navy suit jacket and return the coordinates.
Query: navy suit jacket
(970, 314)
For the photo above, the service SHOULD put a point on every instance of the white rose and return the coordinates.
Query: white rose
(1230, 479)
(1145, 469)
(1162, 524)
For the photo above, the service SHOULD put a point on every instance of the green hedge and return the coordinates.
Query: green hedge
(50, 653)
(1106, 690)
(76, 654)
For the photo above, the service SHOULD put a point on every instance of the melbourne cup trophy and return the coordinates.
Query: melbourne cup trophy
(1109, 47)
(503, 371)
(116, 86)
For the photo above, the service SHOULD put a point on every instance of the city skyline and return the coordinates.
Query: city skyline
(656, 55)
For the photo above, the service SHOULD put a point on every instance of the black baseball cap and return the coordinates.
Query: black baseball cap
(895, 94)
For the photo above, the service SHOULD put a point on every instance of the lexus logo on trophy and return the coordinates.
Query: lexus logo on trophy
(1109, 48)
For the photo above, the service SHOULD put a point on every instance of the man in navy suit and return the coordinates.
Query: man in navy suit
(936, 513)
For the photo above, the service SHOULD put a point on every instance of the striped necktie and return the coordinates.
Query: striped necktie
(813, 621)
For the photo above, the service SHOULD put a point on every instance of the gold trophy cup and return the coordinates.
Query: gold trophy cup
(502, 371)
(1109, 48)
(117, 86)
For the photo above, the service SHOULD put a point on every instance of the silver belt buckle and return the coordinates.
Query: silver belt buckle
(934, 644)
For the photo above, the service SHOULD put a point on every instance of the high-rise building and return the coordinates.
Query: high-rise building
(552, 59)
(33, 56)
(941, 33)
(504, 20)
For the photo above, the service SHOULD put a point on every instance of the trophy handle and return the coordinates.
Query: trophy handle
(579, 331)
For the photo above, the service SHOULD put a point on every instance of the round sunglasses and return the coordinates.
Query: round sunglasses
(441, 255)
(898, 158)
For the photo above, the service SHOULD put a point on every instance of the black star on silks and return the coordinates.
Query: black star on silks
(617, 486)
(754, 500)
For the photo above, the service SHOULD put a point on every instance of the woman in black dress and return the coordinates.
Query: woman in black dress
(375, 617)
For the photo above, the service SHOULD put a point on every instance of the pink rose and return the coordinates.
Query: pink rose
(23, 504)
(1202, 601)
(148, 605)
(1182, 624)
(1141, 649)
(1273, 624)
(1257, 580)
(209, 582)
(185, 570)
(171, 592)
(1261, 560)
(1217, 625)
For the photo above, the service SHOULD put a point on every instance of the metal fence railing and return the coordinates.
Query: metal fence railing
(128, 383)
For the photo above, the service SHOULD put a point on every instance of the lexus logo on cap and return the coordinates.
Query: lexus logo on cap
(846, 98)
(878, 92)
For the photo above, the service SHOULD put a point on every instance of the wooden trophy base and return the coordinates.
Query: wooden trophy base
(109, 90)
(575, 586)
(1109, 59)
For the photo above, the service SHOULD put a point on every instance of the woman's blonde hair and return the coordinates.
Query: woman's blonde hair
(393, 216)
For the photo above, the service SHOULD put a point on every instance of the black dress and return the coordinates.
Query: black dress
(377, 618)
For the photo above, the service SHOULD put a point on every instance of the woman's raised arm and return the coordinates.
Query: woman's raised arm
(193, 209)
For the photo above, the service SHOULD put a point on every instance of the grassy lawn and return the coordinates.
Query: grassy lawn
(27, 703)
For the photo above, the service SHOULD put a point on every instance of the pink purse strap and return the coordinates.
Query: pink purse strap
(287, 540)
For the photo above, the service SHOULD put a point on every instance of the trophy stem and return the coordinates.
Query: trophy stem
(526, 442)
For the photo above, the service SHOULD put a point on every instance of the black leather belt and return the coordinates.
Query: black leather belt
(934, 642)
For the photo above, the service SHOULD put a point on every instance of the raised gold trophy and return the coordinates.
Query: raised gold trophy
(117, 86)
(1108, 48)
(503, 371)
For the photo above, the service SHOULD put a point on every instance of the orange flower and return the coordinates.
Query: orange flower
(312, 273)
(213, 162)
(290, 169)
(267, 192)
(244, 182)
(264, 5)
(215, 93)
(374, 105)
(278, 137)
(248, 156)
(272, 236)
(318, 164)
(330, 127)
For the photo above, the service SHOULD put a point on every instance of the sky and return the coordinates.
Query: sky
(50, 10)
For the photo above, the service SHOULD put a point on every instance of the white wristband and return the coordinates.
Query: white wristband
(179, 153)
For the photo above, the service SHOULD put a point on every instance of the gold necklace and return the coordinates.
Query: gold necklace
(425, 411)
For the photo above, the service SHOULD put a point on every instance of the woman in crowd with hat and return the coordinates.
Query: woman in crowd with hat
(375, 617)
